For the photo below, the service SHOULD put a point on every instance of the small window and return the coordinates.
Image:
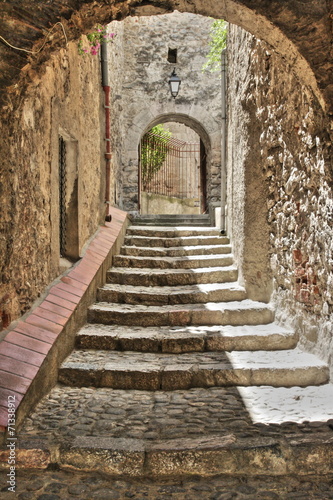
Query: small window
(172, 56)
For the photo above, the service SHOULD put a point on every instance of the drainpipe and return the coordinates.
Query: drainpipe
(107, 154)
(224, 144)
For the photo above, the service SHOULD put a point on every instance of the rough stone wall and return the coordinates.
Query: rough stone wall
(280, 165)
(64, 99)
(144, 98)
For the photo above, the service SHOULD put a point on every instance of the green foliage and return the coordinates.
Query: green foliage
(154, 150)
(217, 44)
(95, 39)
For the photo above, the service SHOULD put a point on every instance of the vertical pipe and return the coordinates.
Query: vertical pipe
(107, 154)
(139, 176)
(224, 144)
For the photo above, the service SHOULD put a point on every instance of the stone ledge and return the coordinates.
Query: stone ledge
(204, 456)
(34, 348)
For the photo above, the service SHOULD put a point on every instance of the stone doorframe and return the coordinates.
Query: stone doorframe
(199, 121)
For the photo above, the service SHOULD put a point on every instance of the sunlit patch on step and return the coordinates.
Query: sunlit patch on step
(267, 404)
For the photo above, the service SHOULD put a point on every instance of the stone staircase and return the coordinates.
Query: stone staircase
(172, 316)
(179, 374)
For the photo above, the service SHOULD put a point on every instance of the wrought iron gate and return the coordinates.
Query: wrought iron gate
(170, 167)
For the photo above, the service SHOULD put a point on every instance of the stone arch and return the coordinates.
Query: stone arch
(199, 121)
(209, 140)
(270, 21)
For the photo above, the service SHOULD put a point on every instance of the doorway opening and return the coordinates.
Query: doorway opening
(172, 171)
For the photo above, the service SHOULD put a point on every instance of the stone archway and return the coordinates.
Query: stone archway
(304, 48)
(172, 171)
(205, 129)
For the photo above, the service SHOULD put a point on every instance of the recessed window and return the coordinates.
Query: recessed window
(172, 56)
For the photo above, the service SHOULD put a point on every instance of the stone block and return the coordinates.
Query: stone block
(109, 455)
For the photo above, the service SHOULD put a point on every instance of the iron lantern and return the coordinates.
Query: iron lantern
(174, 83)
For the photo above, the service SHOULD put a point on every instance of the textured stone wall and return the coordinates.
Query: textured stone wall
(141, 93)
(117, 65)
(64, 99)
(280, 166)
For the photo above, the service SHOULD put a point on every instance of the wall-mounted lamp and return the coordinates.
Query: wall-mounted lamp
(174, 82)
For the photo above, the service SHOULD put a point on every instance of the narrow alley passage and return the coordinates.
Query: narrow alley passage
(187, 356)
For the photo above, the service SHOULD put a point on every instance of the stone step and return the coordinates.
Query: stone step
(174, 221)
(175, 251)
(172, 232)
(186, 339)
(158, 295)
(170, 242)
(159, 218)
(202, 431)
(171, 277)
(245, 312)
(158, 371)
(189, 262)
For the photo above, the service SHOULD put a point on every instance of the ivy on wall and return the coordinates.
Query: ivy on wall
(217, 44)
(154, 150)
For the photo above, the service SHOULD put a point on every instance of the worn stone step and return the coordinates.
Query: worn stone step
(172, 232)
(188, 262)
(213, 313)
(158, 219)
(173, 220)
(158, 371)
(239, 460)
(162, 241)
(171, 277)
(158, 295)
(205, 431)
(175, 251)
(186, 339)
(179, 224)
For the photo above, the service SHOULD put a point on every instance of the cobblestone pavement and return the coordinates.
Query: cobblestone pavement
(68, 412)
(62, 485)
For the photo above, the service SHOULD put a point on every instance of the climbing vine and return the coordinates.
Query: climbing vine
(218, 42)
(154, 149)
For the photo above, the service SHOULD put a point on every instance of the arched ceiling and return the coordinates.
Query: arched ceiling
(299, 30)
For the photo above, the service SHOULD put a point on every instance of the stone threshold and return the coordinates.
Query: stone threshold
(35, 346)
(205, 456)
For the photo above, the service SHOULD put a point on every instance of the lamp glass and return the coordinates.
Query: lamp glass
(174, 83)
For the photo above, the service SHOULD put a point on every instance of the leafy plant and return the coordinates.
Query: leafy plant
(95, 39)
(154, 150)
(218, 42)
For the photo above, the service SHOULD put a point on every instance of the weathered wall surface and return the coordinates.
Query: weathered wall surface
(141, 93)
(117, 65)
(64, 99)
(280, 165)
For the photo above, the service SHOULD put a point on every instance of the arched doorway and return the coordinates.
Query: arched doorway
(172, 171)
(206, 160)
